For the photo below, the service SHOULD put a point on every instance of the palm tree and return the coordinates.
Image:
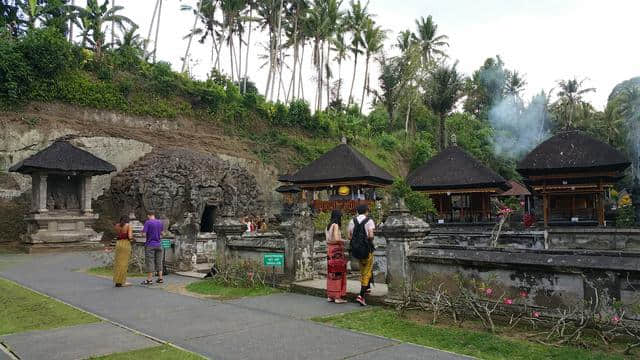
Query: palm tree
(342, 53)
(443, 89)
(570, 99)
(373, 39)
(192, 33)
(429, 40)
(270, 13)
(356, 17)
(515, 83)
(93, 17)
(404, 40)
(333, 23)
(294, 29)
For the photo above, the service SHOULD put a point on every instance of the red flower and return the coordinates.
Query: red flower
(615, 320)
(523, 294)
(536, 314)
(489, 292)
(508, 301)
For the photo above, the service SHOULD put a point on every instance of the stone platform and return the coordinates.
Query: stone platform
(318, 287)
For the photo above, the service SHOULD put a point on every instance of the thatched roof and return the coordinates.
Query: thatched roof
(61, 156)
(517, 189)
(342, 163)
(572, 151)
(453, 168)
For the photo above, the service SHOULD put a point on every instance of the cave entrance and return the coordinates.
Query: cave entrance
(208, 219)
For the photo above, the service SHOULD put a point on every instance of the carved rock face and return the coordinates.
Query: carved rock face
(173, 182)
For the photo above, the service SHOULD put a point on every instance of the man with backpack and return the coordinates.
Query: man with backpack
(361, 230)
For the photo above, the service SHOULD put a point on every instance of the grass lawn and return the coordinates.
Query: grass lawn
(212, 288)
(480, 344)
(108, 272)
(23, 310)
(164, 352)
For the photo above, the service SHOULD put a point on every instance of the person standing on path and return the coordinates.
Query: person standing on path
(152, 248)
(336, 262)
(361, 233)
(123, 252)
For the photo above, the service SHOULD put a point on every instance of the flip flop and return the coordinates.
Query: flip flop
(147, 282)
(159, 281)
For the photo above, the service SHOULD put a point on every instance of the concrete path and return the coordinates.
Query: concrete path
(270, 327)
(75, 342)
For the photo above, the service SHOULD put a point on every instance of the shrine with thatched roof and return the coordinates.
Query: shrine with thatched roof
(459, 185)
(572, 172)
(347, 176)
(61, 214)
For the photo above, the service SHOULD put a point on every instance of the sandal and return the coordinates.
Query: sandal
(329, 299)
(159, 281)
(147, 282)
(340, 301)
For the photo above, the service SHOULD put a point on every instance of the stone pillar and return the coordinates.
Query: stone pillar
(39, 193)
(401, 229)
(298, 233)
(227, 228)
(85, 195)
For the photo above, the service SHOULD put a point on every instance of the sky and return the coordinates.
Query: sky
(546, 40)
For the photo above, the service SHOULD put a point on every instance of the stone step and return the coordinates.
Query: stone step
(191, 274)
(203, 268)
(317, 287)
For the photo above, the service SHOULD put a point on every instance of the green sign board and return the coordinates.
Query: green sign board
(272, 259)
(166, 244)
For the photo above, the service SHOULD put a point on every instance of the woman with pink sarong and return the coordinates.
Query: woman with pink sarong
(336, 261)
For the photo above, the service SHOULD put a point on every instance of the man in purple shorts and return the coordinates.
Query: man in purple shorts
(152, 248)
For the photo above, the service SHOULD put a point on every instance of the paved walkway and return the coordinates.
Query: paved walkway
(269, 327)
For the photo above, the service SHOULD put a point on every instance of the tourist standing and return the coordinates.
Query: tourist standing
(336, 262)
(152, 248)
(123, 252)
(361, 233)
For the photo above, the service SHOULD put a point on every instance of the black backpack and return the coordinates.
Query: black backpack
(360, 245)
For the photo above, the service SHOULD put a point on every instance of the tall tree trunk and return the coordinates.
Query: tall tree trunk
(366, 79)
(153, 20)
(246, 61)
(353, 78)
(407, 117)
(328, 68)
(73, 3)
(275, 51)
(232, 72)
(320, 75)
(155, 41)
(443, 137)
(292, 83)
(113, 23)
(339, 95)
(186, 53)
(300, 87)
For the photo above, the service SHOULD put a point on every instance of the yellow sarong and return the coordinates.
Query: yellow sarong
(366, 270)
(121, 263)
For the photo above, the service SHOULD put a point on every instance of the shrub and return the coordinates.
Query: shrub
(163, 79)
(280, 115)
(78, 88)
(378, 120)
(300, 114)
(48, 53)
(625, 215)
(15, 75)
(422, 151)
(419, 204)
(387, 141)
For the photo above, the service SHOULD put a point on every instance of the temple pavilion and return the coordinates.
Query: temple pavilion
(61, 214)
(572, 172)
(342, 178)
(459, 185)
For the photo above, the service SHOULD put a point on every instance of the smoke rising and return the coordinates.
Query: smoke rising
(517, 128)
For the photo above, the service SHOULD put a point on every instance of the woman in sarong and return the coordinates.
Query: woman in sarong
(123, 252)
(336, 261)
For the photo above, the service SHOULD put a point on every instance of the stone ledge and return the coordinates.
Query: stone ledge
(604, 260)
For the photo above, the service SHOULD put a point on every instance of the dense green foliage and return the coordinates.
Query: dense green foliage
(415, 107)
(419, 204)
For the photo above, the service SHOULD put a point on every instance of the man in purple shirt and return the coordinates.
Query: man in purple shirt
(152, 248)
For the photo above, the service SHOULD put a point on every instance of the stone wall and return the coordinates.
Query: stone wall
(554, 268)
(173, 182)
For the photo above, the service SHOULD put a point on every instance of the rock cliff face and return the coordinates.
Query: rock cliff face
(173, 182)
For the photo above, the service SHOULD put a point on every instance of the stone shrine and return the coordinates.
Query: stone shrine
(61, 216)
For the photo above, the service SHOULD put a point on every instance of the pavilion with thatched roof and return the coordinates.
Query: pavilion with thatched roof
(61, 213)
(347, 176)
(572, 172)
(459, 185)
